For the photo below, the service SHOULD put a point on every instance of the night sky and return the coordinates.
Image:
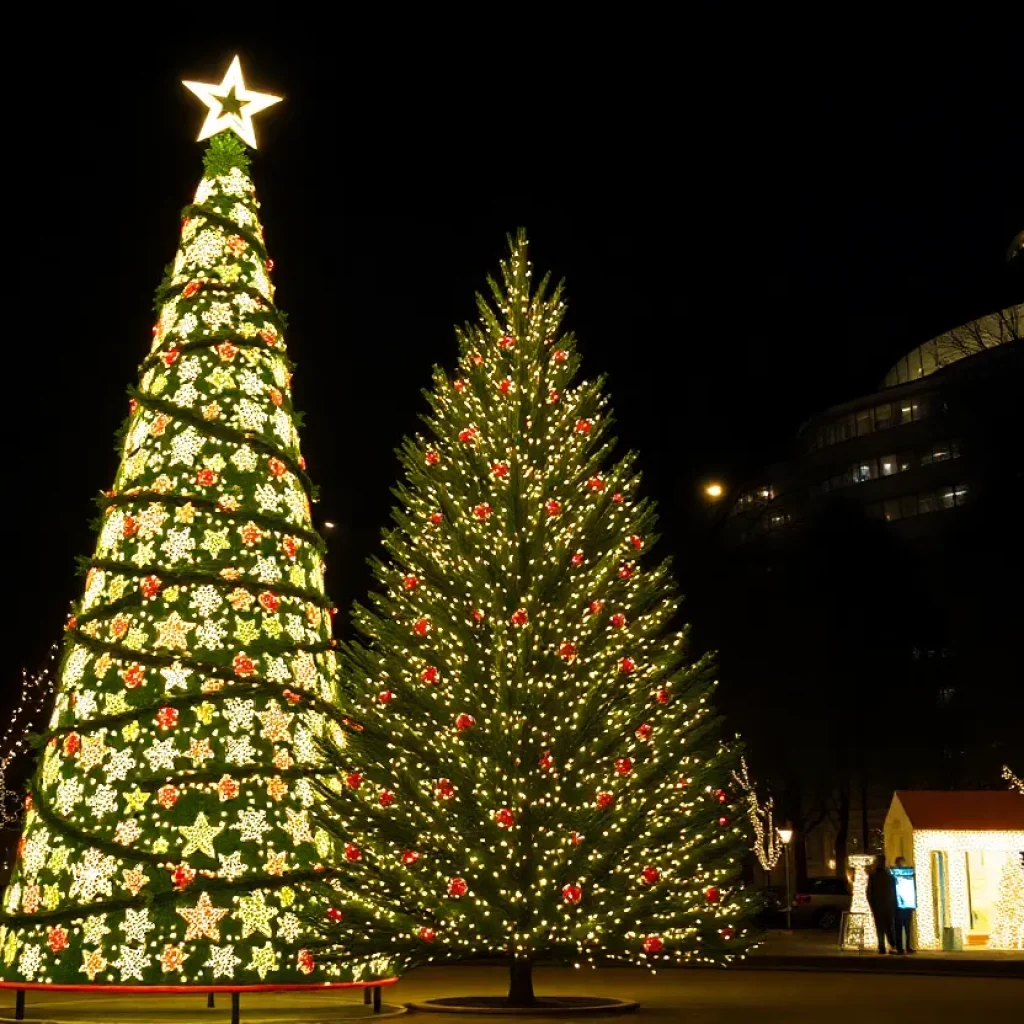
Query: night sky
(746, 239)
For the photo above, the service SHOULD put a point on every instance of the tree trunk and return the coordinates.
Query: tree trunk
(520, 983)
(842, 831)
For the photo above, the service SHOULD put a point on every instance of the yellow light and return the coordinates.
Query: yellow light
(714, 490)
(785, 834)
(231, 105)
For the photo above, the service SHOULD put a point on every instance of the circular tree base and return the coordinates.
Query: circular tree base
(545, 1006)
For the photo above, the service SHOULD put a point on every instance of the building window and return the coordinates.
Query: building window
(908, 506)
(891, 510)
(866, 421)
(866, 469)
(883, 416)
(941, 451)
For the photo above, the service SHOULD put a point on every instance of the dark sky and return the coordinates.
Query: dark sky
(747, 237)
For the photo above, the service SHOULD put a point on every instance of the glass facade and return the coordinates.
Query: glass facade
(910, 505)
(870, 420)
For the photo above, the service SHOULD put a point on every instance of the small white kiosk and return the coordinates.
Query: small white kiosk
(967, 849)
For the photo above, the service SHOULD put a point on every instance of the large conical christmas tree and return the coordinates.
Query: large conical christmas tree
(534, 768)
(169, 837)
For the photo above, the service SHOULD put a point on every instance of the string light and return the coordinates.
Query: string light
(767, 845)
(1014, 781)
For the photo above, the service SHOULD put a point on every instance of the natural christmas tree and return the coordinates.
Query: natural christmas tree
(1008, 913)
(169, 837)
(533, 767)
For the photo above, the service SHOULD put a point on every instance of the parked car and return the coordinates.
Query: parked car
(818, 903)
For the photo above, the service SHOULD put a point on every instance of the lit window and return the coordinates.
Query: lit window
(864, 422)
(866, 470)
(883, 416)
(889, 465)
(892, 510)
(960, 493)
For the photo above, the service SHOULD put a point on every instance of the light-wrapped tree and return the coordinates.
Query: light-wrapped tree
(533, 768)
(169, 839)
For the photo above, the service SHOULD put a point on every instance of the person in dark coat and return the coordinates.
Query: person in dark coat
(882, 901)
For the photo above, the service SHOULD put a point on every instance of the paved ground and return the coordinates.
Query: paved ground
(670, 997)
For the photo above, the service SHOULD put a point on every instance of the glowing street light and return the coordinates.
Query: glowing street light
(714, 490)
(785, 835)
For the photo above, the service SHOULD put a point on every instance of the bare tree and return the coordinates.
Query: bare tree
(975, 336)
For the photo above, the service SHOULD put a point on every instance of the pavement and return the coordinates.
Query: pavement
(669, 997)
(813, 949)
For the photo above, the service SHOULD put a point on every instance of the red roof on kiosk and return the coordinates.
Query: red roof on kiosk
(967, 810)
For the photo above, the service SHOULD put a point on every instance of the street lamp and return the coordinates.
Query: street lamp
(785, 835)
(714, 490)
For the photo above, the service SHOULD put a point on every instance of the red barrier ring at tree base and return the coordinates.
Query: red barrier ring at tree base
(170, 990)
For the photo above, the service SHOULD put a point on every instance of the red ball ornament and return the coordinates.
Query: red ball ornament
(427, 934)
(595, 607)
(507, 342)
(722, 796)
(583, 426)
(712, 894)
(617, 621)
(56, 938)
(483, 510)
(291, 696)
(605, 800)
(575, 839)
(71, 744)
(625, 571)
(553, 396)
(410, 583)
(644, 730)
(150, 586)
(431, 458)
(182, 876)
(596, 484)
(459, 384)
(627, 665)
(504, 817)
(519, 617)
(636, 541)
(577, 558)
(134, 676)
(353, 853)
(410, 857)
(618, 497)
(243, 665)
(572, 894)
(663, 696)
(727, 933)
(464, 722)
(547, 762)
(167, 796)
(429, 675)
(167, 718)
(421, 627)
(723, 821)
(354, 780)
(457, 887)
(443, 789)
(500, 470)
(437, 518)
(269, 265)
(269, 601)
(478, 615)
(170, 357)
(560, 355)
(306, 961)
(553, 507)
(476, 359)
(335, 915)
(206, 477)
(567, 651)
(650, 875)
(653, 944)
(505, 386)
(385, 697)
(466, 436)
(387, 798)
(623, 766)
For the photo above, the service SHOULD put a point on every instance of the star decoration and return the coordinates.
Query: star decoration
(289, 927)
(93, 961)
(231, 105)
(131, 963)
(92, 752)
(172, 958)
(297, 827)
(93, 930)
(252, 825)
(175, 676)
(199, 751)
(264, 959)
(200, 835)
(256, 915)
(223, 961)
(135, 925)
(231, 866)
(276, 787)
(135, 801)
(134, 880)
(276, 863)
(202, 919)
(275, 724)
(173, 632)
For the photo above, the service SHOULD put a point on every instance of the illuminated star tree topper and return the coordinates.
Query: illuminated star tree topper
(231, 105)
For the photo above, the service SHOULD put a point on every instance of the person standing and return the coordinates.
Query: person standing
(882, 901)
(904, 918)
